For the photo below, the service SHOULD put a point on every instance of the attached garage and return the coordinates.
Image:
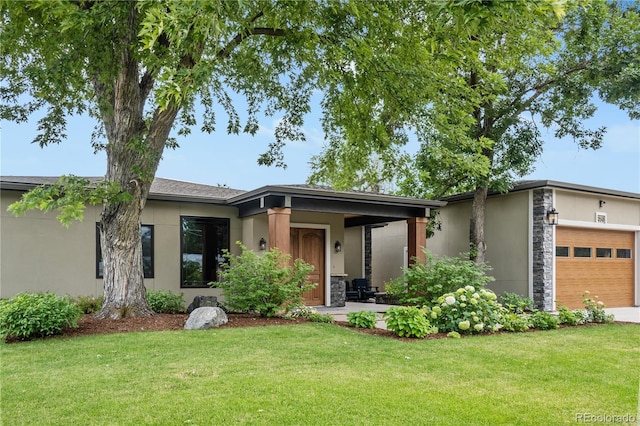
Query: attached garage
(600, 261)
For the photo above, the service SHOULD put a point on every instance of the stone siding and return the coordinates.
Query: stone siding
(542, 250)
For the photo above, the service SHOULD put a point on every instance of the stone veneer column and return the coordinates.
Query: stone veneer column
(417, 237)
(542, 250)
(367, 253)
(338, 290)
(280, 229)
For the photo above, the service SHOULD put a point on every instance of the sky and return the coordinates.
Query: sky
(221, 159)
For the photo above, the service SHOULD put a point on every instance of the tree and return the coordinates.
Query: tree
(140, 68)
(515, 66)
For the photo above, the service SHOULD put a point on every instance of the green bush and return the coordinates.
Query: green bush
(467, 311)
(569, 317)
(165, 302)
(543, 321)
(423, 282)
(267, 285)
(595, 309)
(318, 317)
(515, 322)
(516, 303)
(88, 304)
(408, 321)
(31, 315)
(302, 312)
(362, 319)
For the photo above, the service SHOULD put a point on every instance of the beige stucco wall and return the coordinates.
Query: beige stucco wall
(353, 247)
(577, 206)
(507, 237)
(387, 252)
(39, 254)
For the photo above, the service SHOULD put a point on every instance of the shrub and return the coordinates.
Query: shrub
(543, 321)
(165, 302)
(467, 311)
(595, 309)
(267, 284)
(302, 312)
(88, 304)
(362, 319)
(515, 322)
(318, 317)
(30, 315)
(569, 317)
(408, 321)
(516, 303)
(423, 282)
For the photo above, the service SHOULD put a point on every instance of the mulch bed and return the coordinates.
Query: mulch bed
(88, 325)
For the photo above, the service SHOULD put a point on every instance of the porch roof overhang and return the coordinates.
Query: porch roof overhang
(359, 208)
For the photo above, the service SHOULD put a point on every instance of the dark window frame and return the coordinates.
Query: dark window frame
(217, 221)
(621, 250)
(583, 248)
(152, 267)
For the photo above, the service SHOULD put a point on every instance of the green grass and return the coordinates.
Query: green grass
(320, 374)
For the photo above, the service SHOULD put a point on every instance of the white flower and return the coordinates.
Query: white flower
(450, 300)
(464, 325)
(478, 327)
(463, 298)
(470, 288)
(475, 296)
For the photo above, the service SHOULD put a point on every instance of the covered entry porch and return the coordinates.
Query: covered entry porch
(309, 223)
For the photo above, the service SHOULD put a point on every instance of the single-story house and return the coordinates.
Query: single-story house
(185, 227)
(592, 247)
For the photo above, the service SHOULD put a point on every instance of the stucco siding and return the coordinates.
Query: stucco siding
(353, 252)
(387, 252)
(583, 207)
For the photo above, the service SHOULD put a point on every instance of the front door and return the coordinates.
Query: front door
(308, 245)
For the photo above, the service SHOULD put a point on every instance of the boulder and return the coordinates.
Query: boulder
(201, 301)
(205, 318)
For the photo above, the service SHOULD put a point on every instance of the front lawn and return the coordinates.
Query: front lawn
(321, 374)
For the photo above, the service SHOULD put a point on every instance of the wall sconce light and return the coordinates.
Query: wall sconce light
(338, 246)
(262, 244)
(601, 203)
(552, 216)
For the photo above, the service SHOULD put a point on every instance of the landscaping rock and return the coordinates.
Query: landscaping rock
(205, 318)
(202, 301)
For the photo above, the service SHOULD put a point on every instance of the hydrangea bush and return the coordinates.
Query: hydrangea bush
(467, 311)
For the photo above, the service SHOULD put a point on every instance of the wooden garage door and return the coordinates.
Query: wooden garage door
(601, 262)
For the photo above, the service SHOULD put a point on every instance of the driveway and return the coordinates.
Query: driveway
(625, 314)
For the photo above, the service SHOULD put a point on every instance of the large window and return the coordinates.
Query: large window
(203, 240)
(147, 251)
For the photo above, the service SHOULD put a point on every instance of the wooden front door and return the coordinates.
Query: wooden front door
(308, 245)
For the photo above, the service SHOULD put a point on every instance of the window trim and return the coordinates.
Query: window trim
(604, 257)
(563, 247)
(153, 254)
(225, 220)
(583, 257)
(625, 249)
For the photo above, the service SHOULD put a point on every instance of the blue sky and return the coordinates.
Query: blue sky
(232, 160)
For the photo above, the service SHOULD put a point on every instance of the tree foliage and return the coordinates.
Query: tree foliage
(140, 69)
(485, 77)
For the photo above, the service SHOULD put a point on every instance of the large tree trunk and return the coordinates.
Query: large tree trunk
(478, 247)
(133, 155)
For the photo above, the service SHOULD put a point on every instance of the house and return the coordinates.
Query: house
(593, 247)
(185, 227)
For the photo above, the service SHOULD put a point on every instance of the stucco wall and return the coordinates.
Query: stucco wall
(353, 252)
(582, 207)
(387, 252)
(39, 254)
(506, 233)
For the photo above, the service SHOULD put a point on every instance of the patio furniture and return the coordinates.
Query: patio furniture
(352, 294)
(364, 289)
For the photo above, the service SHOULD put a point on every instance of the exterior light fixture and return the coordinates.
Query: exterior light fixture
(338, 246)
(552, 216)
(262, 244)
(601, 203)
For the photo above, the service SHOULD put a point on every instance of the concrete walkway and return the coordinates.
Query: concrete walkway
(340, 313)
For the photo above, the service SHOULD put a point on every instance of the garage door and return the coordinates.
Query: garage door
(601, 262)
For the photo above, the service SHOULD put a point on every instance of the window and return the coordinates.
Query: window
(147, 251)
(623, 253)
(203, 240)
(562, 251)
(604, 252)
(582, 252)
